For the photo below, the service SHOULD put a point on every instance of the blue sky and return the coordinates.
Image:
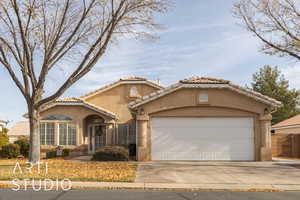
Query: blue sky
(201, 39)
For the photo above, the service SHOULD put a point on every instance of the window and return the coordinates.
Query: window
(47, 131)
(134, 92)
(203, 98)
(58, 117)
(67, 134)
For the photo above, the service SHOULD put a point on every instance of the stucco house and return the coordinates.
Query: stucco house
(195, 119)
(286, 138)
(20, 129)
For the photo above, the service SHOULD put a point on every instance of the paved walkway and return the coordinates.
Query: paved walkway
(234, 173)
(229, 176)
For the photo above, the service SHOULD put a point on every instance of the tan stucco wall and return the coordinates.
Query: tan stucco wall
(288, 130)
(222, 103)
(117, 99)
(217, 97)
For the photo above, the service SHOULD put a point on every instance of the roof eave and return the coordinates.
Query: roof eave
(151, 97)
(111, 115)
(117, 83)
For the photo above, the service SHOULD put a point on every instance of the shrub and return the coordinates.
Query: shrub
(111, 153)
(10, 151)
(66, 152)
(4, 139)
(23, 142)
(51, 154)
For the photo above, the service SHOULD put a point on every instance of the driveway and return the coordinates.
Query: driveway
(218, 173)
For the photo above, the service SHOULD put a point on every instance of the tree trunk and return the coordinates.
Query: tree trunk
(34, 152)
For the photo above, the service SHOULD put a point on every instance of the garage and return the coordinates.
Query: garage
(202, 118)
(226, 139)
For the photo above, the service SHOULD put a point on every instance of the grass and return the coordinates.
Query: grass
(73, 170)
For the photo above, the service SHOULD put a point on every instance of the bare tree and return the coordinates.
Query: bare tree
(275, 22)
(38, 36)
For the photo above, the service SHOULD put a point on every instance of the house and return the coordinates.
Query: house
(20, 129)
(286, 138)
(2, 125)
(195, 119)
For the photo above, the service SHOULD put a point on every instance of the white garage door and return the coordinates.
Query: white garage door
(202, 139)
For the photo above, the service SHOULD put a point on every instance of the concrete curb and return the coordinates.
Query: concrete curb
(169, 186)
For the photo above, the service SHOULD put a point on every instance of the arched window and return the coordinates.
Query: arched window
(59, 127)
(58, 118)
(134, 92)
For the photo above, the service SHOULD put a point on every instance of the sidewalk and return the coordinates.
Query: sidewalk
(166, 186)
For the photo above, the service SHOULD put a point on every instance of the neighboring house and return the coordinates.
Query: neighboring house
(2, 125)
(195, 119)
(286, 138)
(20, 129)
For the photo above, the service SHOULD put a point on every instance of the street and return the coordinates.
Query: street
(149, 195)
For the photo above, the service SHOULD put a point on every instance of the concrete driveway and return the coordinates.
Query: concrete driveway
(218, 173)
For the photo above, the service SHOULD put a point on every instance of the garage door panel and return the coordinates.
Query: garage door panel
(204, 122)
(205, 132)
(184, 139)
(230, 146)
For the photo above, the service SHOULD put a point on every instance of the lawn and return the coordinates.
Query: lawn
(73, 170)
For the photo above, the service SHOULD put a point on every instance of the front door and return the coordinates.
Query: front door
(96, 137)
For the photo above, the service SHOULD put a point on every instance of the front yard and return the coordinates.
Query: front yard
(73, 170)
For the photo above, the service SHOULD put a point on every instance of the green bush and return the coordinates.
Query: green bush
(23, 142)
(111, 153)
(4, 139)
(51, 154)
(10, 151)
(66, 152)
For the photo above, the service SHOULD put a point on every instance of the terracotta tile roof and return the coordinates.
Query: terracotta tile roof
(120, 81)
(133, 78)
(205, 82)
(70, 99)
(289, 122)
(3, 121)
(20, 129)
(79, 101)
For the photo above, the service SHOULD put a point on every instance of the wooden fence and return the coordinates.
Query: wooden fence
(286, 145)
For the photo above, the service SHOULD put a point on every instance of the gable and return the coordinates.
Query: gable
(117, 98)
(128, 81)
(188, 97)
(219, 86)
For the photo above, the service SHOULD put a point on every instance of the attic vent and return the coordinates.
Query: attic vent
(134, 92)
(203, 98)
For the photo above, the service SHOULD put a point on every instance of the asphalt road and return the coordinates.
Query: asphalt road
(148, 195)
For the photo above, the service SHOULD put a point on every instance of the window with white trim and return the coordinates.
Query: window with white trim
(58, 118)
(47, 132)
(67, 134)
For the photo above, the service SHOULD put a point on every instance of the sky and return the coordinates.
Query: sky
(200, 38)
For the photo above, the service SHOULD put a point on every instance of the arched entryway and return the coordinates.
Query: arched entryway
(95, 132)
